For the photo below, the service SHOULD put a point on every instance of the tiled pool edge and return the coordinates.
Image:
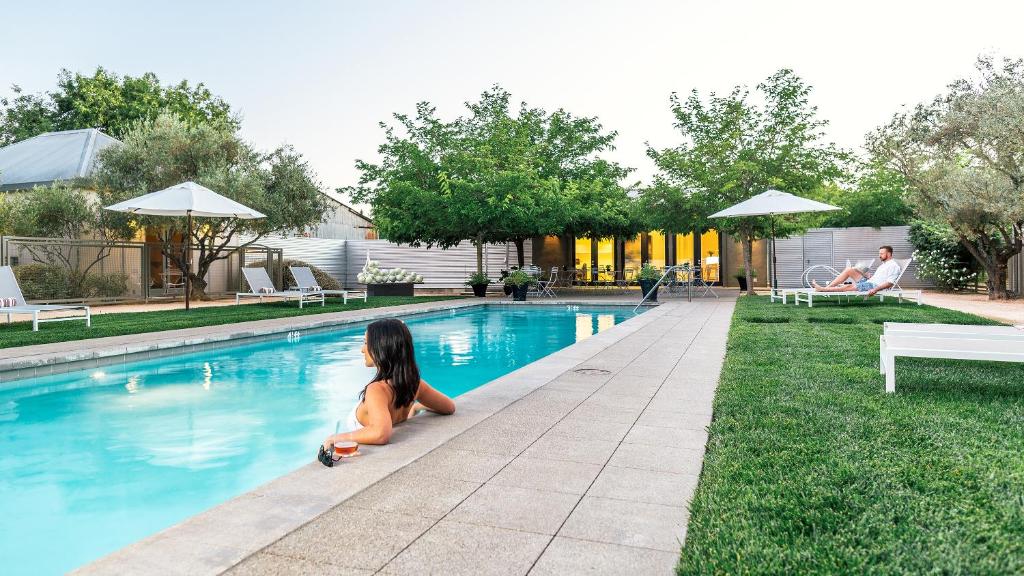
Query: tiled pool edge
(215, 540)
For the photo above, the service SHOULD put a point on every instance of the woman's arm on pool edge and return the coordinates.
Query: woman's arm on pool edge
(433, 400)
(378, 419)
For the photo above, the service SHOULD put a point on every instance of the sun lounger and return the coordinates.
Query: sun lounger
(261, 287)
(955, 342)
(306, 282)
(9, 289)
(806, 295)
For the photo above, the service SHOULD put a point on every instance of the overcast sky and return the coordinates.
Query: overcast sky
(321, 75)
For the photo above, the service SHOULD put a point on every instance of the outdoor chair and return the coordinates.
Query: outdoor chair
(545, 287)
(261, 287)
(822, 273)
(12, 301)
(306, 282)
(806, 295)
(950, 341)
(697, 282)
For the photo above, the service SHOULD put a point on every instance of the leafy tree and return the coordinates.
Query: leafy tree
(168, 150)
(734, 149)
(490, 176)
(105, 100)
(63, 211)
(877, 200)
(963, 158)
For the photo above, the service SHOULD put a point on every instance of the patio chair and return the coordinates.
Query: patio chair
(546, 287)
(306, 282)
(9, 290)
(697, 282)
(261, 287)
(806, 295)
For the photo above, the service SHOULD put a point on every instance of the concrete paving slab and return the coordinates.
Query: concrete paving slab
(456, 549)
(659, 458)
(664, 419)
(453, 464)
(353, 537)
(266, 564)
(571, 556)
(540, 511)
(545, 474)
(628, 523)
(407, 493)
(649, 486)
(661, 436)
(585, 450)
(575, 426)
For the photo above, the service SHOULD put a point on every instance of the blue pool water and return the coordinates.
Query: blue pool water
(91, 461)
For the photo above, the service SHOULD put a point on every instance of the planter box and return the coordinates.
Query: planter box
(519, 292)
(479, 290)
(391, 289)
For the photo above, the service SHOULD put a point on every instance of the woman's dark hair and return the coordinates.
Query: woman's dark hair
(390, 345)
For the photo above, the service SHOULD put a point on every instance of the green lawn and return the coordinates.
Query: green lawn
(119, 324)
(812, 469)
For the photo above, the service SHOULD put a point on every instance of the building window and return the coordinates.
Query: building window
(711, 257)
(632, 253)
(684, 249)
(605, 258)
(583, 257)
(656, 249)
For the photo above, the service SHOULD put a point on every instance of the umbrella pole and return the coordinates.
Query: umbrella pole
(775, 266)
(188, 261)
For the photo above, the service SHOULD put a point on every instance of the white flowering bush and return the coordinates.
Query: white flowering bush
(947, 273)
(373, 274)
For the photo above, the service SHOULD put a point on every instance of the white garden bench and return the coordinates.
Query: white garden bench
(950, 341)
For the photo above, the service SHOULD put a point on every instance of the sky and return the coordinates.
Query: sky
(321, 75)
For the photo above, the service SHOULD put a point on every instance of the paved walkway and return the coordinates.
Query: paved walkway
(590, 473)
(1011, 311)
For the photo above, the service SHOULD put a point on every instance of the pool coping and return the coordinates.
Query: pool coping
(214, 540)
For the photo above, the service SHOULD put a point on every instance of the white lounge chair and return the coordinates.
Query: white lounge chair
(952, 341)
(261, 287)
(807, 295)
(9, 289)
(306, 282)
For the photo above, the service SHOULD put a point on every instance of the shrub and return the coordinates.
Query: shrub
(49, 282)
(109, 285)
(941, 257)
(477, 278)
(519, 278)
(44, 282)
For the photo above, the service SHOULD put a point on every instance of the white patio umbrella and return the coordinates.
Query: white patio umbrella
(769, 203)
(190, 200)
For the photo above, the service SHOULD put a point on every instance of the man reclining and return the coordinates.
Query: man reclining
(863, 282)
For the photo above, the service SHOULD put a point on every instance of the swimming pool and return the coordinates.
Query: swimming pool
(94, 460)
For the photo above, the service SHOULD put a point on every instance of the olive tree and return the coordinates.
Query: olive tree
(963, 158)
(168, 150)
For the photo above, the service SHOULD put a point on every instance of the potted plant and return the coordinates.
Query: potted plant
(519, 281)
(741, 277)
(387, 282)
(648, 278)
(478, 281)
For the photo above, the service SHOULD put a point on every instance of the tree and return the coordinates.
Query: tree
(168, 150)
(105, 100)
(734, 149)
(62, 211)
(488, 176)
(963, 158)
(877, 200)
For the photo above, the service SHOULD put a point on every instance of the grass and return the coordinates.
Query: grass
(124, 323)
(812, 469)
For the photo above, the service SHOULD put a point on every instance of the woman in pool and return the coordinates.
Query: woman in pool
(396, 392)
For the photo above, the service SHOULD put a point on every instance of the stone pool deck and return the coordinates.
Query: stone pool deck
(591, 472)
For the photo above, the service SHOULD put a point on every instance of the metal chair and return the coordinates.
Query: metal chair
(697, 281)
(546, 286)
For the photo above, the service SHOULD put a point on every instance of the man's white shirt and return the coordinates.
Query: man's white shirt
(888, 271)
